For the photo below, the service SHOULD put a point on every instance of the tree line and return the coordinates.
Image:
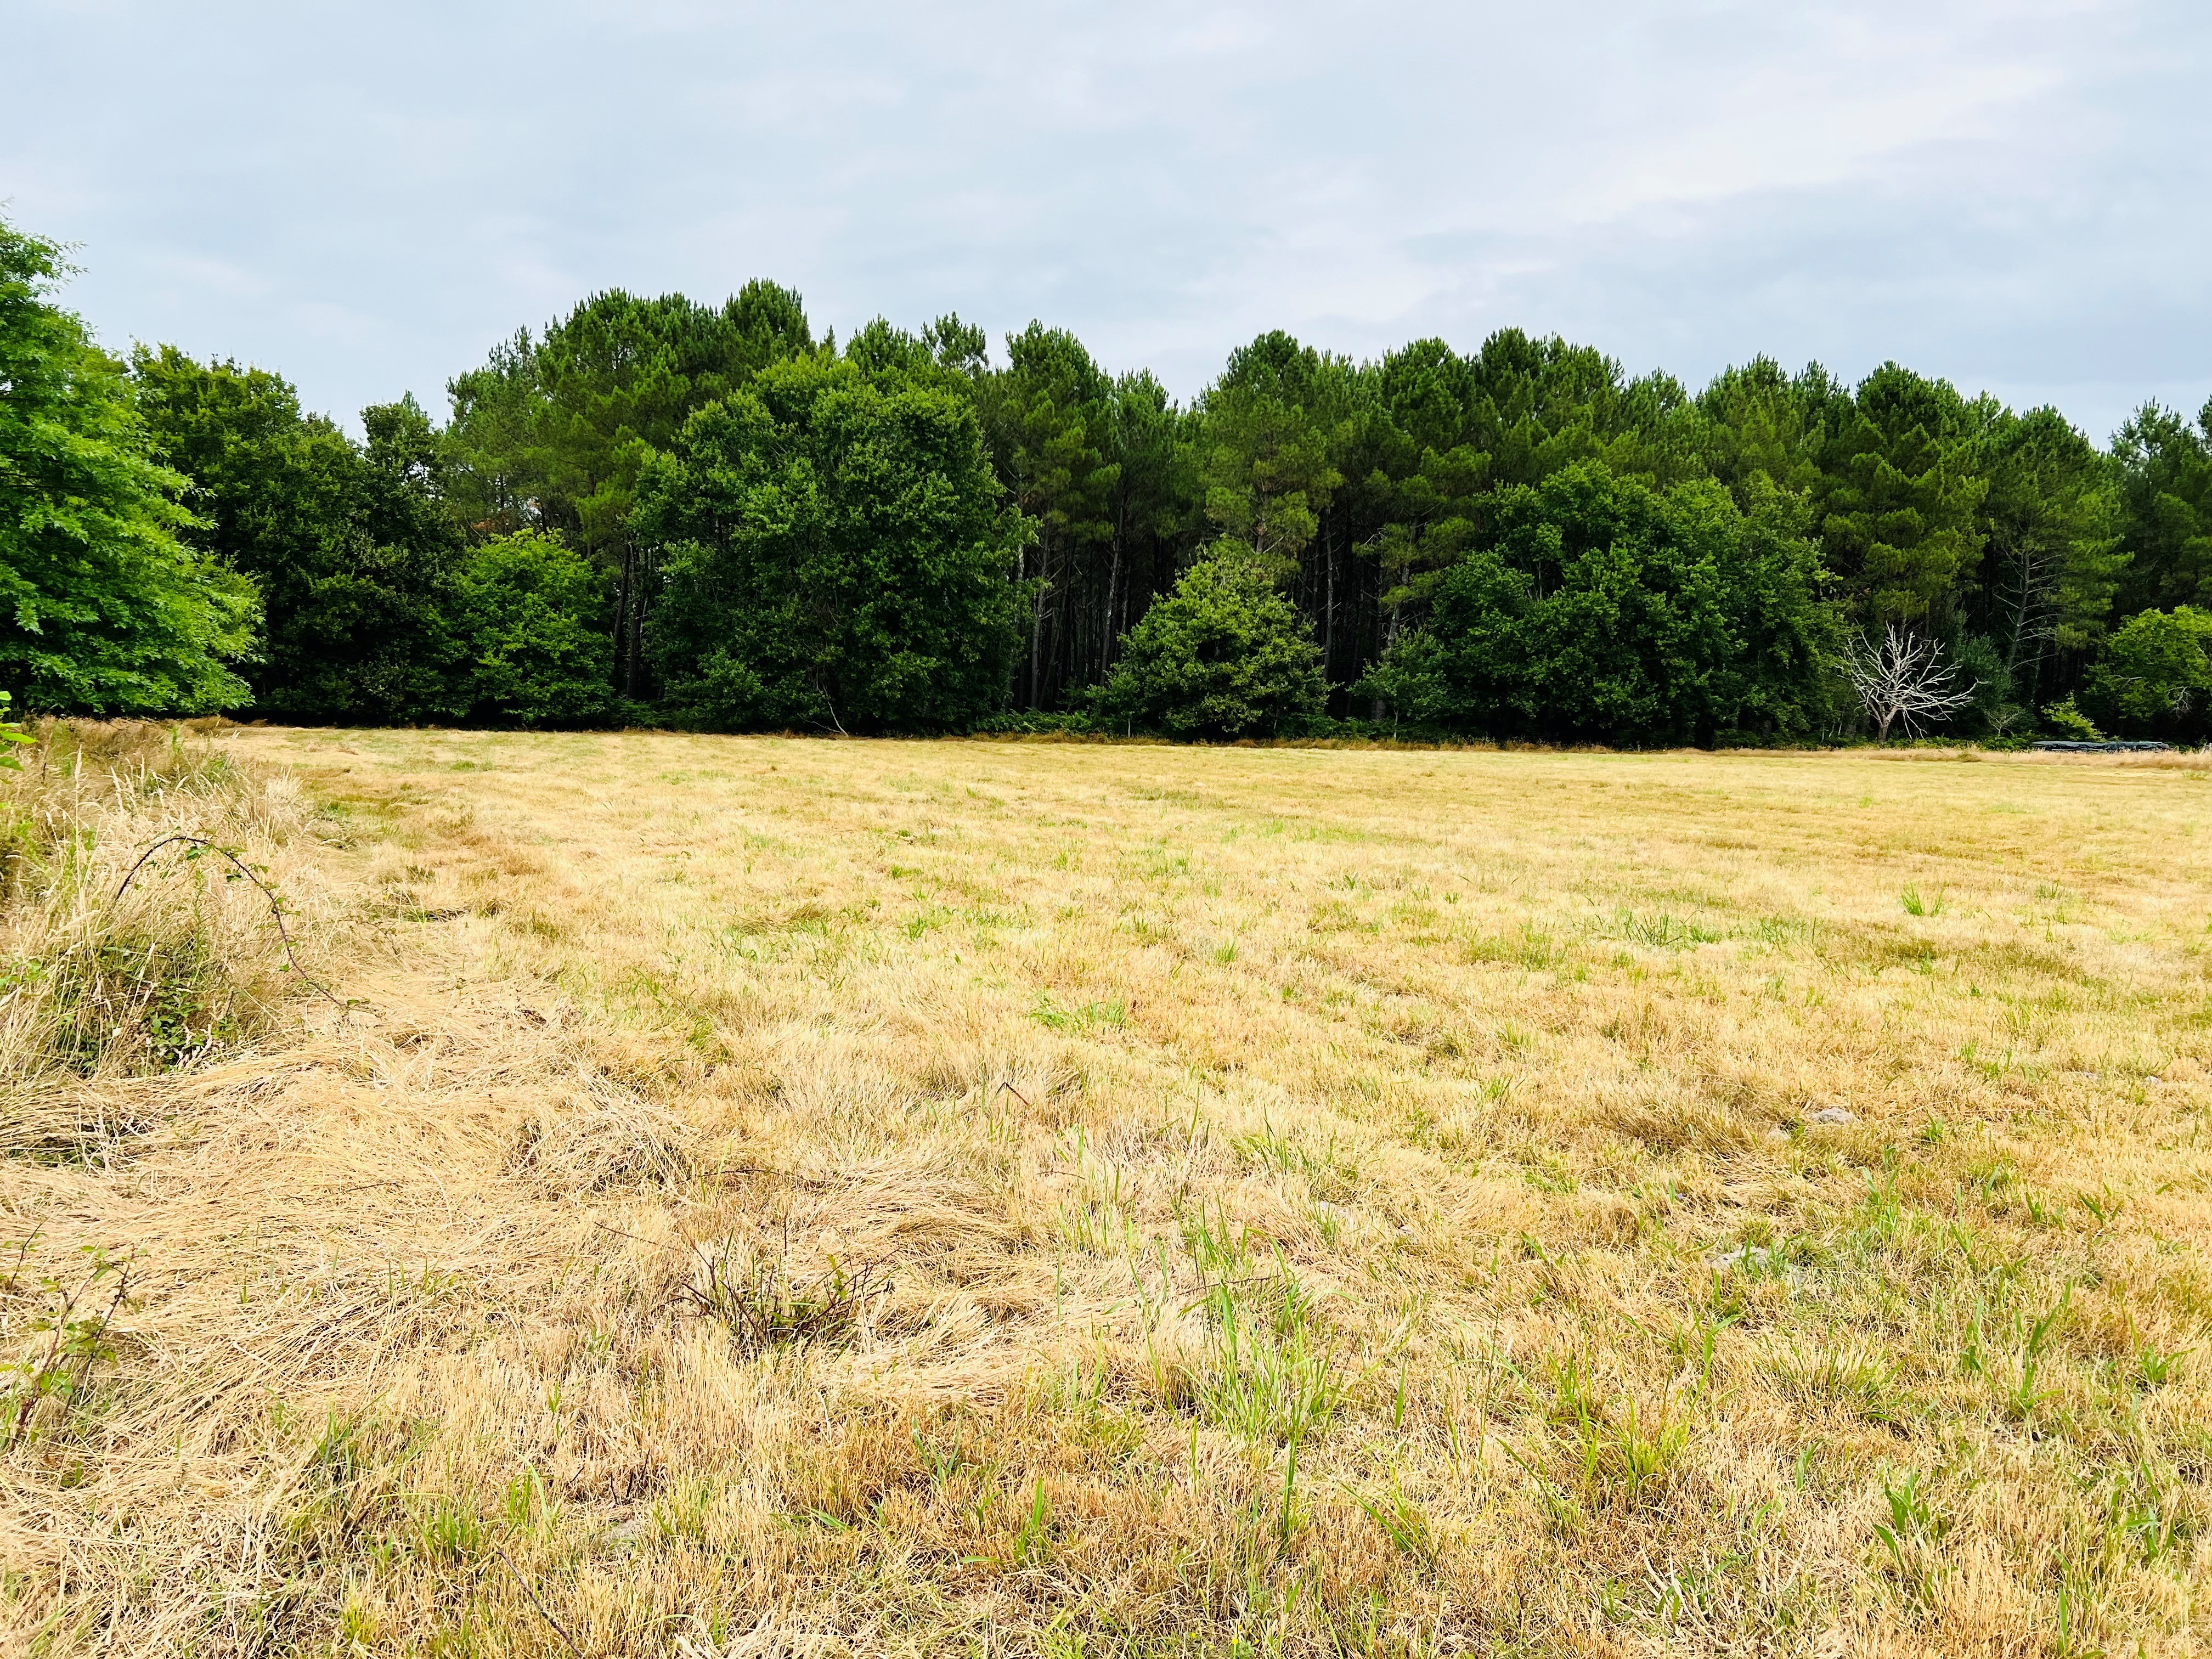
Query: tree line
(659, 510)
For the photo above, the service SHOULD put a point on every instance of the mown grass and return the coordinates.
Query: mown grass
(785, 1196)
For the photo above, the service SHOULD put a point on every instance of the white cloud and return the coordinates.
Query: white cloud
(2007, 192)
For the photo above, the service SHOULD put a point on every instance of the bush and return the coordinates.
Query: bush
(2156, 675)
(187, 964)
(535, 616)
(1037, 722)
(2069, 722)
(1222, 656)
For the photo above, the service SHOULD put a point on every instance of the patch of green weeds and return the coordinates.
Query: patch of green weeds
(1331, 1172)
(1112, 1013)
(1917, 903)
(1269, 1373)
(1911, 1536)
(1529, 947)
(69, 1333)
(1659, 931)
(1401, 1520)
(1626, 1456)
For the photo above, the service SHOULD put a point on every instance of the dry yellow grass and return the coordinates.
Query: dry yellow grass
(1238, 1201)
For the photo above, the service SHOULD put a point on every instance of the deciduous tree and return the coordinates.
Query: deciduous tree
(104, 606)
(837, 554)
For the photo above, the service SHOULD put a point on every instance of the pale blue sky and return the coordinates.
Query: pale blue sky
(2018, 196)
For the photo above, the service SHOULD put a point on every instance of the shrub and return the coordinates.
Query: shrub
(2156, 675)
(187, 964)
(1222, 656)
(535, 617)
(2069, 722)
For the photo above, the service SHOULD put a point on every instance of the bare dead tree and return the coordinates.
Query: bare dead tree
(1902, 677)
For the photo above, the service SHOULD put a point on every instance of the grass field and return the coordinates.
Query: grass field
(775, 1197)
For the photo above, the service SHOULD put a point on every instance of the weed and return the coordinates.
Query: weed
(1529, 946)
(1111, 1013)
(1401, 1520)
(763, 1306)
(1033, 1539)
(1911, 1534)
(1853, 1374)
(2024, 1396)
(1624, 1460)
(1217, 1248)
(450, 1534)
(70, 1332)
(2103, 1207)
(2154, 1369)
(1269, 1376)
(1331, 1172)
(1659, 931)
(1917, 904)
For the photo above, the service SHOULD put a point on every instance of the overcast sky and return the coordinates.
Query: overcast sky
(2015, 195)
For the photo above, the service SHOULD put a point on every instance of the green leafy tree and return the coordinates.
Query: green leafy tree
(837, 553)
(106, 608)
(1536, 406)
(1268, 467)
(371, 637)
(1424, 480)
(2154, 677)
(281, 496)
(1223, 655)
(1154, 503)
(554, 434)
(1757, 422)
(532, 621)
(1599, 608)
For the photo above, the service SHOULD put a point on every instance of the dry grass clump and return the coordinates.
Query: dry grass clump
(103, 983)
(780, 1197)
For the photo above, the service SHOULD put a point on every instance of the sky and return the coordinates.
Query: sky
(2016, 196)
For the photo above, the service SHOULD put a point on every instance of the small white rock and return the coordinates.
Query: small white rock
(1751, 1258)
(1830, 1116)
(1778, 1134)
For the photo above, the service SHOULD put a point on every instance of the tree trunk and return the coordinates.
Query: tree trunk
(622, 590)
(1037, 629)
(1113, 585)
(640, 597)
(1328, 602)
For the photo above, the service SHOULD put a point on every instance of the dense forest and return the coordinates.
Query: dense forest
(658, 510)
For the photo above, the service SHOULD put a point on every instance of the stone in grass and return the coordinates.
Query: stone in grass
(1829, 1117)
(1778, 1135)
(1751, 1258)
(1756, 1262)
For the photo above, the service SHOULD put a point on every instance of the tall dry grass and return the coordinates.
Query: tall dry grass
(781, 1197)
(105, 984)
